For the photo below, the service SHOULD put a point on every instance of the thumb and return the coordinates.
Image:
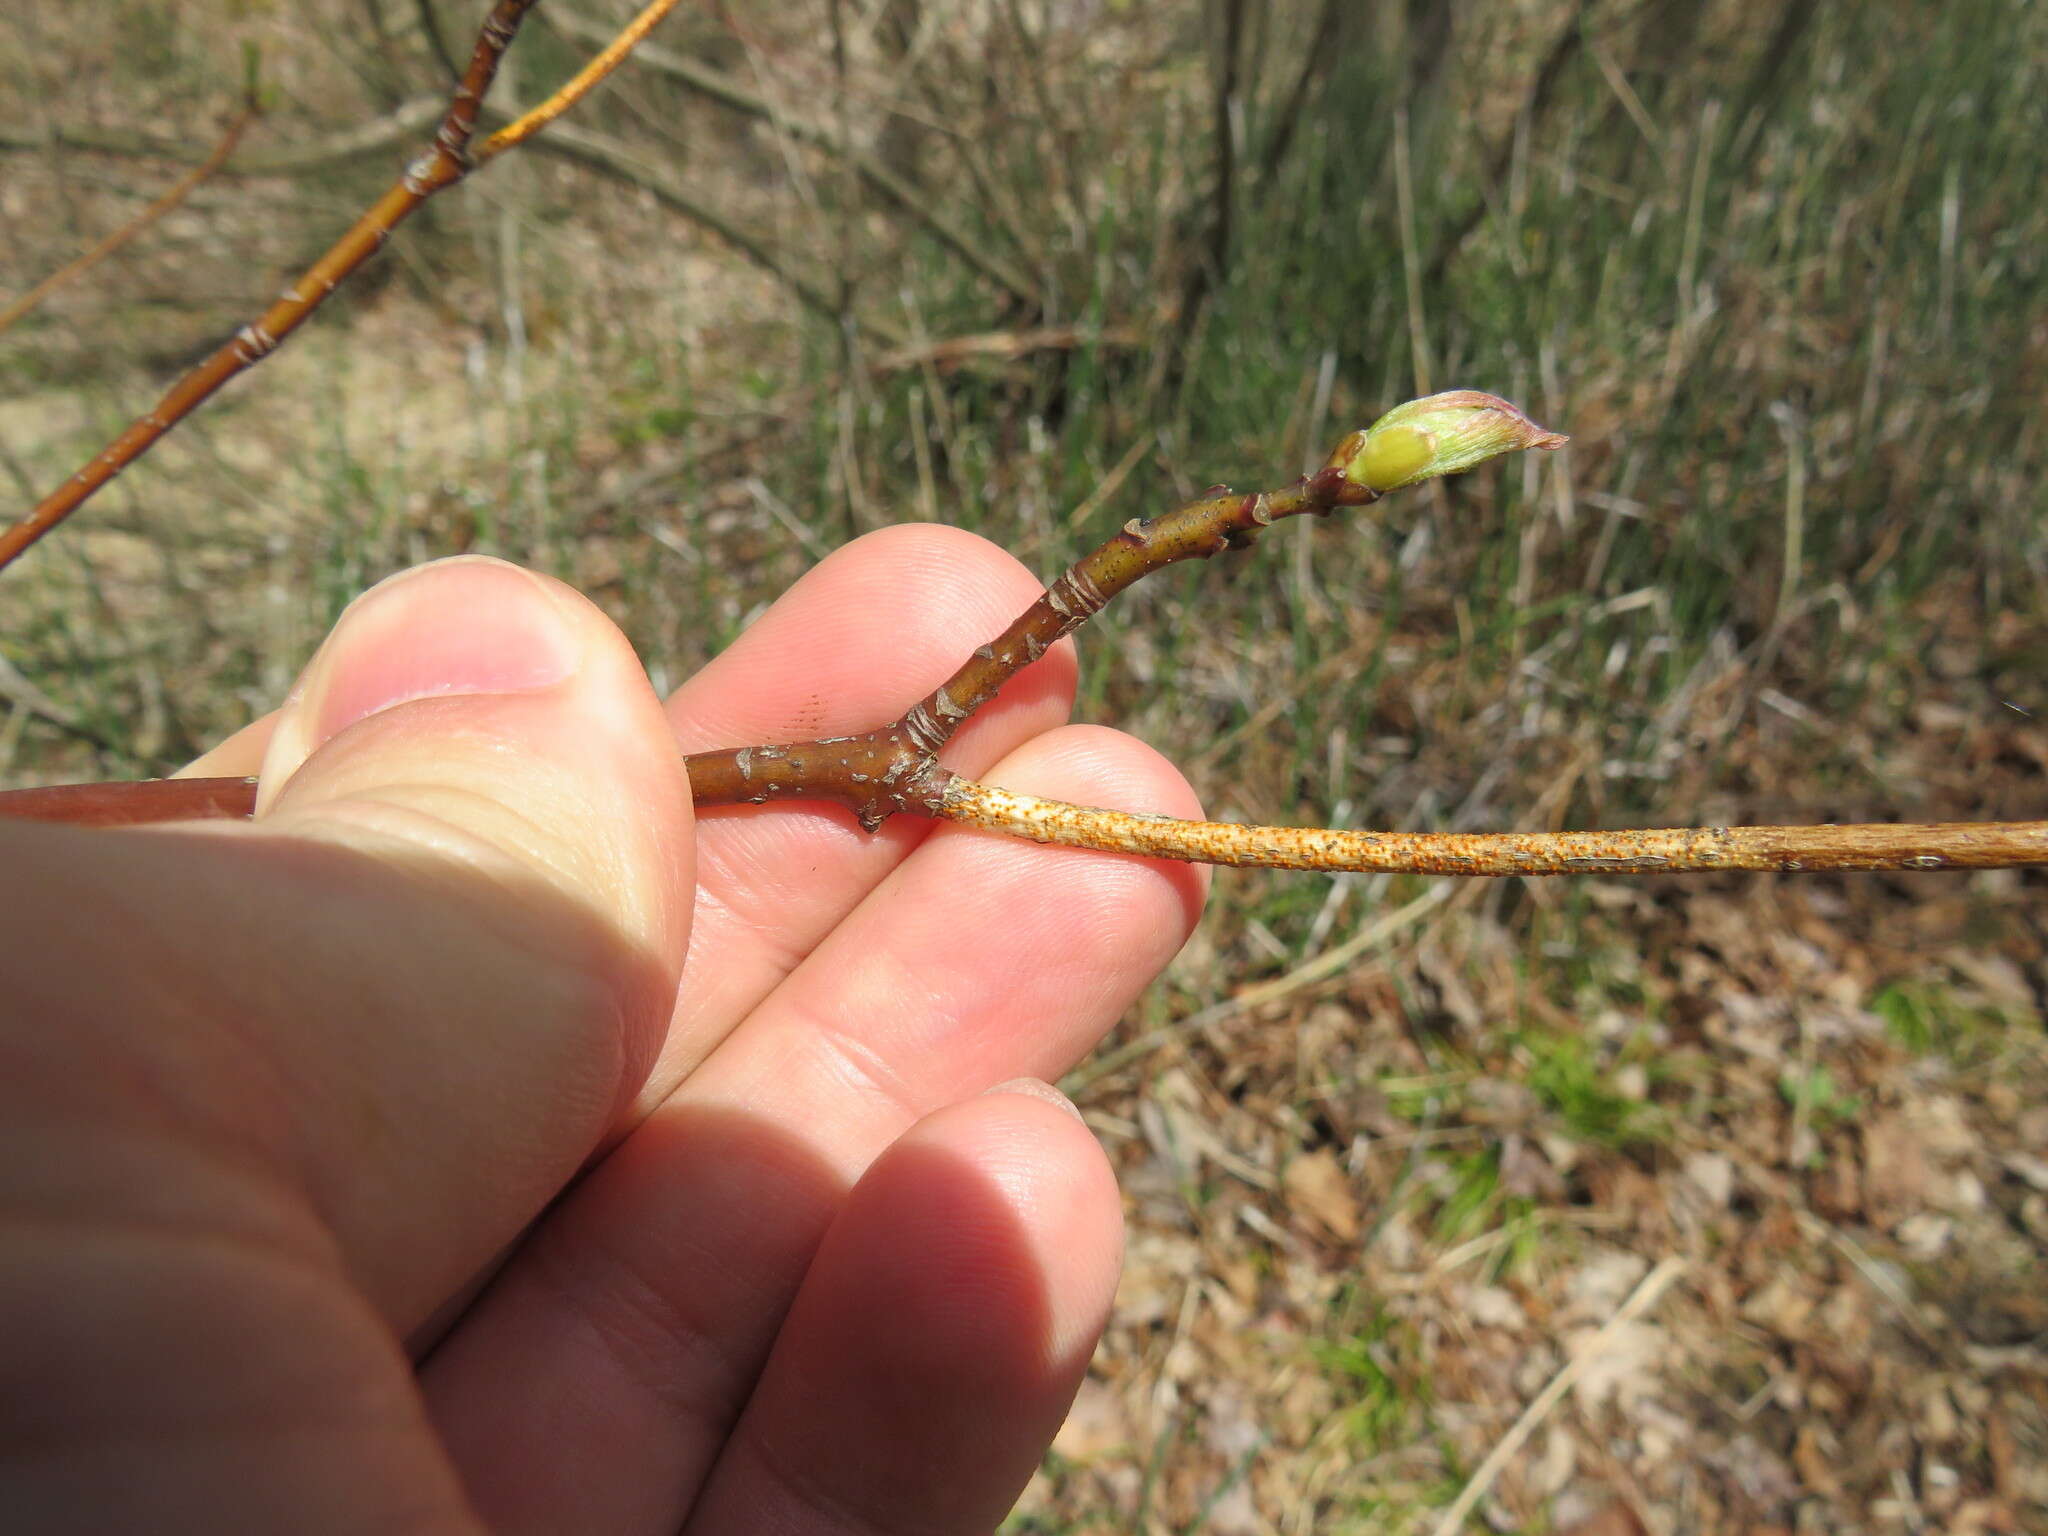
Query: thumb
(475, 826)
(498, 716)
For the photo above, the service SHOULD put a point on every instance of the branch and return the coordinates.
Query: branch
(430, 27)
(609, 58)
(895, 767)
(1315, 63)
(78, 266)
(1563, 49)
(372, 138)
(1677, 851)
(607, 155)
(447, 162)
(720, 88)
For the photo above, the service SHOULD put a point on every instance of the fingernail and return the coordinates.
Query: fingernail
(464, 626)
(1035, 1088)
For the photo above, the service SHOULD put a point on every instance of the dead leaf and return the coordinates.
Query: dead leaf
(1624, 1363)
(1713, 1175)
(1317, 1187)
(1895, 1174)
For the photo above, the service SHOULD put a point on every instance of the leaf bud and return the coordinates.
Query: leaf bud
(1438, 435)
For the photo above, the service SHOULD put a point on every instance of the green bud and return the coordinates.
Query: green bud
(1439, 435)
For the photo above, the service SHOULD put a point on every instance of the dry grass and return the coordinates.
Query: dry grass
(1784, 287)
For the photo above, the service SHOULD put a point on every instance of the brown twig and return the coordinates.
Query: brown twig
(1563, 49)
(133, 804)
(895, 767)
(598, 152)
(372, 138)
(716, 86)
(78, 266)
(448, 161)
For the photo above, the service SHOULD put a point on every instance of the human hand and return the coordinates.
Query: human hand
(278, 1098)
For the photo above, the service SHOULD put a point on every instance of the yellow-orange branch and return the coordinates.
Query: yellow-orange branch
(610, 58)
(447, 162)
(1902, 846)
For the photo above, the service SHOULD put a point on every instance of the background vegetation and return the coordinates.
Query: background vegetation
(1036, 266)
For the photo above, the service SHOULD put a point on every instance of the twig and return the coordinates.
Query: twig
(372, 138)
(1902, 846)
(571, 141)
(1315, 64)
(447, 162)
(430, 26)
(1007, 346)
(1645, 1296)
(895, 767)
(716, 86)
(133, 804)
(609, 58)
(24, 695)
(1570, 38)
(1212, 264)
(78, 266)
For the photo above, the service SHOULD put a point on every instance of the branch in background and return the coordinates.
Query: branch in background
(1753, 107)
(716, 86)
(78, 266)
(372, 138)
(597, 152)
(1006, 346)
(447, 162)
(1208, 270)
(24, 695)
(1541, 95)
(1315, 64)
(430, 27)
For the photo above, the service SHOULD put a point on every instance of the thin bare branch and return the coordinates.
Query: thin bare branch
(1563, 49)
(1903, 846)
(79, 265)
(716, 86)
(23, 694)
(609, 58)
(892, 769)
(572, 141)
(371, 138)
(134, 804)
(1315, 64)
(447, 162)
(430, 28)
(895, 768)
